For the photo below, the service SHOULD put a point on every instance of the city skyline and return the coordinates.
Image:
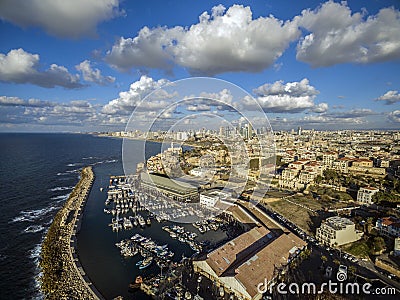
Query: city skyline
(315, 64)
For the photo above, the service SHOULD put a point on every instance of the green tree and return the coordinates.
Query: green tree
(352, 270)
(336, 262)
(378, 244)
(318, 179)
(330, 175)
(324, 260)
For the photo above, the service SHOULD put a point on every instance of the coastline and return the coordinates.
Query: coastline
(62, 274)
(191, 144)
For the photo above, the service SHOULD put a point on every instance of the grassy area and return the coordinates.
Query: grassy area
(358, 249)
(330, 193)
(276, 194)
(296, 210)
(295, 213)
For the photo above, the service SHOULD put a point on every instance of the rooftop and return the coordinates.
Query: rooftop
(338, 223)
(167, 183)
(230, 253)
(370, 188)
(264, 262)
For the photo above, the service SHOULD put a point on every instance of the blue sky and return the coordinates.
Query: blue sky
(84, 65)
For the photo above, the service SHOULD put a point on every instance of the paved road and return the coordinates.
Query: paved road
(364, 268)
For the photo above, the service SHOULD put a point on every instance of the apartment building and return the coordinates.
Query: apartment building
(365, 194)
(388, 226)
(328, 158)
(337, 231)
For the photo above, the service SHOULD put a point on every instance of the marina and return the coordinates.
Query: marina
(97, 234)
(146, 248)
(127, 198)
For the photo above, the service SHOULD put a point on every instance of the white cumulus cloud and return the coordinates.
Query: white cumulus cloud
(93, 75)
(70, 18)
(225, 41)
(128, 100)
(16, 101)
(290, 97)
(19, 66)
(320, 107)
(391, 97)
(394, 116)
(336, 35)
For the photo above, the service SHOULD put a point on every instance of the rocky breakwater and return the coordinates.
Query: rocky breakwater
(61, 277)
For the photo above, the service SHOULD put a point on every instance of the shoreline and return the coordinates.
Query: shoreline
(62, 274)
(160, 141)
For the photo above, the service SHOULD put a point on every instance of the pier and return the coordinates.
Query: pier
(63, 276)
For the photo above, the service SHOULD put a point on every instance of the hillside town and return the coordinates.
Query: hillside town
(337, 191)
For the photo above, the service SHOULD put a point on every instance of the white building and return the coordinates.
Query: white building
(211, 198)
(337, 231)
(365, 194)
(198, 172)
(396, 249)
(328, 158)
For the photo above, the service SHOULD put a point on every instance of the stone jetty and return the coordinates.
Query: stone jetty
(62, 275)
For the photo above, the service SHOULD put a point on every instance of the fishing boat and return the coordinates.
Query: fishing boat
(148, 222)
(139, 262)
(127, 223)
(141, 220)
(146, 262)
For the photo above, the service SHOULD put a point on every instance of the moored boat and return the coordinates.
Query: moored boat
(146, 262)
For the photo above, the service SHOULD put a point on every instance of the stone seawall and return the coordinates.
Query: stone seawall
(62, 275)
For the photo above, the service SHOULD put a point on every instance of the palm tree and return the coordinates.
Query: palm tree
(352, 270)
(324, 259)
(336, 262)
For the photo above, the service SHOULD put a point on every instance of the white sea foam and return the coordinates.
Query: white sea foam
(90, 157)
(38, 293)
(34, 229)
(61, 188)
(35, 253)
(60, 198)
(30, 215)
(36, 214)
(74, 164)
(104, 162)
(73, 171)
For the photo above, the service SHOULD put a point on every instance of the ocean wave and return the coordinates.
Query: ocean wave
(108, 161)
(74, 164)
(68, 172)
(90, 157)
(34, 229)
(34, 253)
(60, 198)
(73, 171)
(61, 188)
(36, 214)
(30, 215)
